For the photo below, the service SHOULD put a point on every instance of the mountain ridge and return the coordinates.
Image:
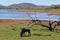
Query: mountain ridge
(26, 6)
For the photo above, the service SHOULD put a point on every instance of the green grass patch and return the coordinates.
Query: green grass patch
(38, 33)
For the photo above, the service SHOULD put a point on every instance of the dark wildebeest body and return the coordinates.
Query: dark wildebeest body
(25, 30)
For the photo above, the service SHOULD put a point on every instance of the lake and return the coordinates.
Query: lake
(6, 14)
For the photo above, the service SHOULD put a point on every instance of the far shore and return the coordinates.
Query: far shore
(52, 12)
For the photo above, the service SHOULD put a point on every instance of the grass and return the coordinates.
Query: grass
(38, 33)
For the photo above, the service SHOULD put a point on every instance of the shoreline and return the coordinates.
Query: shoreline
(50, 12)
(20, 22)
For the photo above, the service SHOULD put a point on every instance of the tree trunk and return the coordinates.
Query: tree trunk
(50, 26)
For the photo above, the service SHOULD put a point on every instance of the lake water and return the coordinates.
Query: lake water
(6, 14)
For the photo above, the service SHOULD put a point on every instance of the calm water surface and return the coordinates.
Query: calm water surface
(6, 14)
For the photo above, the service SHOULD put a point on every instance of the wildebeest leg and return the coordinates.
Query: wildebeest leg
(29, 33)
(22, 32)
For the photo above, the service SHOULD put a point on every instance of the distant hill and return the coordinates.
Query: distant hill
(23, 5)
(1, 6)
(27, 6)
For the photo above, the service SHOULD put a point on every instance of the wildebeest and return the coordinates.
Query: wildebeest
(23, 30)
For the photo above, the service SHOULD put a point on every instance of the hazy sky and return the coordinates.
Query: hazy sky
(37, 2)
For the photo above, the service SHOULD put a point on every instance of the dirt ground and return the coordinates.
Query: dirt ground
(13, 22)
(54, 13)
(21, 22)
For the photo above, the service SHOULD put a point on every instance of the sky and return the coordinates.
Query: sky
(37, 2)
